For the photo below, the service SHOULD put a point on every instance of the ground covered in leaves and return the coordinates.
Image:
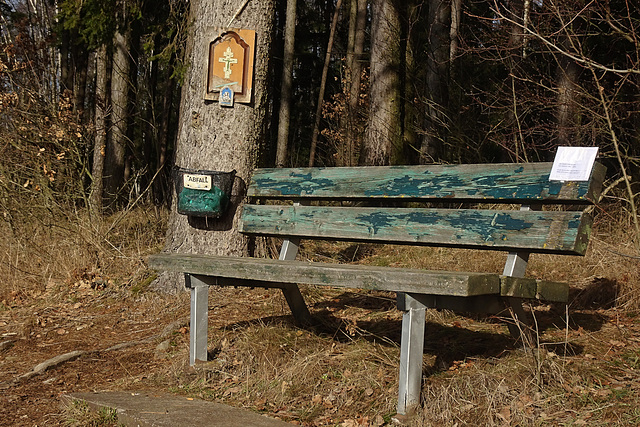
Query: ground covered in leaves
(341, 371)
(78, 313)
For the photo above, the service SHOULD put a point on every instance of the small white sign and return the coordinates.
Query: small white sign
(573, 163)
(197, 182)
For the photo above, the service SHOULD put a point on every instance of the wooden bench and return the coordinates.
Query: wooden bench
(487, 206)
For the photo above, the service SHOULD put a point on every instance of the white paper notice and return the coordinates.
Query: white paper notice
(573, 163)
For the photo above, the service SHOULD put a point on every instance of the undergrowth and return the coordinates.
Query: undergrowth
(60, 251)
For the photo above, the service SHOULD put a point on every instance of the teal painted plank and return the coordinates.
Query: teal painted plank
(261, 270)
(503, 182)
(535, 231)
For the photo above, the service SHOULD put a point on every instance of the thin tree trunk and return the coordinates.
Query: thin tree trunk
(116, 148)
(384, 137)
(323, 82)
(437, 80)
(65, 65)
(287, 84)
(347, 153)
(95, 199)
(160, 192)
(412, 118)
(80, 83)
(456, 8)
(567, 110)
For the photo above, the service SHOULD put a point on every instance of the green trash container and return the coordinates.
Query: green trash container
(203, 193)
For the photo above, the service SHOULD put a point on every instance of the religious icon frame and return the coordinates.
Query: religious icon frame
(229, 64)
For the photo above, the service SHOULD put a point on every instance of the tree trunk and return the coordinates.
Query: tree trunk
(116, 148)
(97, 171)
(214, 138)
(347, 154)
(456, 9)
(384, 137)
(567, 110)
(160, 192)
(80, 83)
(437, 80)
(287, 84)
(517, 150)
(66, 80)
(323, 83)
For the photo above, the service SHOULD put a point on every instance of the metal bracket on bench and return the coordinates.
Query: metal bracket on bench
(291, 291)
(515, 266)
(199, 327)
(411, 353)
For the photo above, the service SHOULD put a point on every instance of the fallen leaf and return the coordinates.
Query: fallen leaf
(505, 414)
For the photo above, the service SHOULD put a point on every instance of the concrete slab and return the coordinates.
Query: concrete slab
(140, 409)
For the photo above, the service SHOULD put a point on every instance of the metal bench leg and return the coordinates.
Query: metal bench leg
(520, 328)
(199, 319)
(411, 354)
(296, 304)
(291, 292)
(515, 266)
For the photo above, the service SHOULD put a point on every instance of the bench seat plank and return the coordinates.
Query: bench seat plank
(506, 182)
(530, 288)
(261, 271)
(535, 231)
(339, 275)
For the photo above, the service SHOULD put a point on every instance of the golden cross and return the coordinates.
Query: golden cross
(228, 60)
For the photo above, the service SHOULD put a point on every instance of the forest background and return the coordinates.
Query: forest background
(90, 92)
(90, 103)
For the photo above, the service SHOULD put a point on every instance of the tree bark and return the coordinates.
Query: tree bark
(384, 137)
(323, 82)
(287, 84)
(456, 9)
(116, 147)
(347, 154)
(66, 80)
(80, 83)
(214, 138)
(95, 199)
(438, 55)
(567, 110)
(161, 193)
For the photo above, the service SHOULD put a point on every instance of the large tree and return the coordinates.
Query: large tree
(384, 142)
(215, 138)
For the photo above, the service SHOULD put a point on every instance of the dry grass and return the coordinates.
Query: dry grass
(44, 254)
(343, 370)
(78, 414)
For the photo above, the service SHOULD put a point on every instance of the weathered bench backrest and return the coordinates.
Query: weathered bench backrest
(320, 212)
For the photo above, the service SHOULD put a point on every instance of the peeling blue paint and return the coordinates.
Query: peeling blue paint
(542, 231)
(501, 182)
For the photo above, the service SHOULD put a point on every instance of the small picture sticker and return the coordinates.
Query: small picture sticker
(226, 97)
